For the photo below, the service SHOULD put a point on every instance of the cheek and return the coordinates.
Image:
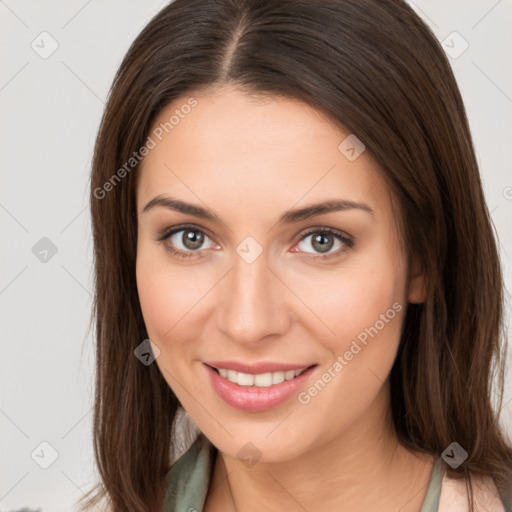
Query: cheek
(153, 299)
(351, 300)
(365, 310)
(161, 294)
(368, 297)
(172, 299)
(363, 306)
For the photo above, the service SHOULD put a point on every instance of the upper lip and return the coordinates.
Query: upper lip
(257, 368)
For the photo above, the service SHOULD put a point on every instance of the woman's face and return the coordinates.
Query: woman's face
(264, 290)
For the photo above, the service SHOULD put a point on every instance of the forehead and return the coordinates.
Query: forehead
(234, 149)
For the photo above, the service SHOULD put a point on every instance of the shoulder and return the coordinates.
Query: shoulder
(454, 496)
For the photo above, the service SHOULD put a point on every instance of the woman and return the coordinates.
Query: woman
(292, 247)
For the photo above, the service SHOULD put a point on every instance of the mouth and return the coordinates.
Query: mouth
(261, 380)
(257, 392)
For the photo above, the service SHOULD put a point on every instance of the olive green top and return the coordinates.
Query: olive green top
(189, 478)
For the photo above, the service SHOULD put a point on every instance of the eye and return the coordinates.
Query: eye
(187, 241)
(184, 241)
(324, 240)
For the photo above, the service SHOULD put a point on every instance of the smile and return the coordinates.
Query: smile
(257, 392)
(263, 380)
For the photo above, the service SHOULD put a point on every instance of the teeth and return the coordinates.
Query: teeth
(263, 380)
(278, 377)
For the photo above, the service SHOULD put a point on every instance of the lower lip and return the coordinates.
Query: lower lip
(254, 398)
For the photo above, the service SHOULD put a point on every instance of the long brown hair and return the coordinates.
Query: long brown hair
(375, 68)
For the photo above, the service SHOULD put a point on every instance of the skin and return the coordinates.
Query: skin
(249, 160)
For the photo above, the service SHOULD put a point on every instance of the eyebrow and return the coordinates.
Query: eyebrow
(290, 216)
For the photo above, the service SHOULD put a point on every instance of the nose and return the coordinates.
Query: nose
(253, 303)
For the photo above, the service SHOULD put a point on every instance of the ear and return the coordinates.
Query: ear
(417, 292)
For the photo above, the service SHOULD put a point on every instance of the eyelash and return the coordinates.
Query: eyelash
(347, 240)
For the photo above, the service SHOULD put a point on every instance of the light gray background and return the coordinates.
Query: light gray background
(51, 109)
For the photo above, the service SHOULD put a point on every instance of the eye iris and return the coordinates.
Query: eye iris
(321, 238)
(192, 239)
